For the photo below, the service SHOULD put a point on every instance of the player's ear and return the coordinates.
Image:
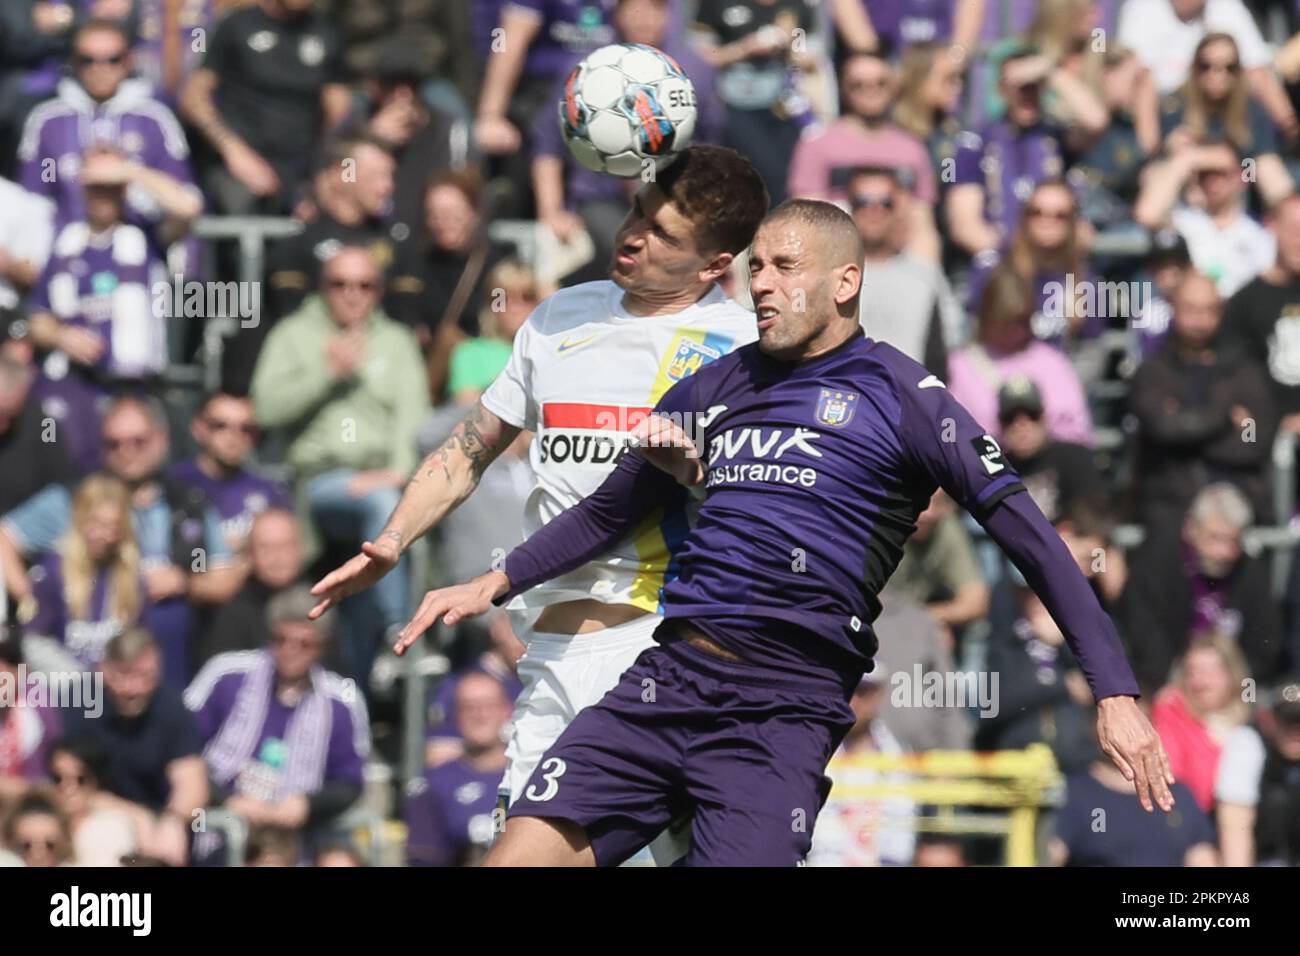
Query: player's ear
(717, 267)
(849, 283)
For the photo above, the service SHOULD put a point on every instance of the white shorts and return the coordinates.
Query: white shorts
(562, 674)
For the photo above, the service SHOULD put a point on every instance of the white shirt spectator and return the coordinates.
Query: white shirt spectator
(1241, 764)
(1231, 255)
(26, 233)
(1166, 44)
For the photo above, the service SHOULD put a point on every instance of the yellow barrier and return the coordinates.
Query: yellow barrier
(1022, 782)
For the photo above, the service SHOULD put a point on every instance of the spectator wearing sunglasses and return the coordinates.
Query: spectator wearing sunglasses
(906, 300)
(101, 105)
(37, 831)
(105, 828)
(866, 136)
(226, 434)
(1215, 102)
(1200, 191)
(346, 385)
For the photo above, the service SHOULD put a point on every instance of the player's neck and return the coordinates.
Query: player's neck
(665, 303)
(836, 334)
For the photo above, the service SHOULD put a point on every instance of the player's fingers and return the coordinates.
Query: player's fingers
(1142, 783)
(1156, 771)
(320, 608)
(373, 551)
(1118, 760)
(432, 605)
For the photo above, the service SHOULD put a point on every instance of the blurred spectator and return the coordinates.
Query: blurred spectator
(226, 433)
(995, 168)
(570, 196)
(475, 362)
(1257, 787)
(1106, 176)
(865, 135)
(1262, 318)
(1165, 34)
(750, 44)
(938, 850)
(95, 307)
(1088, 527)
(181, 549)
(26, 236)
(37, 830)
(532, 46)
(151, 743)
(436, 36)
(338, 854)
(1131, 836)
(1200, 706)
(346, 384)
(1225, 243)
(929, 94)
(26, 732)
(1004, 346)
(423, 139)
(500, 661)
(352, 192)
(1057, 474)
(1204, 414)
(28, 463)
(451, 812)
(906, 300)
(274, 550)
(1049, 251)
(897, 24)
(911, 637)
(34, 39)
(166, 51)
(1167, 264)
(104, 828)
(90, 587)
(99, 107)
(285, 740)
(271, 85)
(858, 831)
(1201, 580)
(1215, 103)
(271, 844)
(939, 569)
(443, 274)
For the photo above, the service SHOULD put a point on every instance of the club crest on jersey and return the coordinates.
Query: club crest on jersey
(835, 408)
(688, 357)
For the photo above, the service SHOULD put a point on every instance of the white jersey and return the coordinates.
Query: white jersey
(583, 372)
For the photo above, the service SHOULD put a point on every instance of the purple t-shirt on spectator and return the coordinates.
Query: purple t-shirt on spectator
(584, 186)
(442, 709)
(150, 48)
(449, 815)
(569, 28)
(102, 283)
(84, 636)
(900, 23)
(1008, 162)
(60, 130)
(237, 499)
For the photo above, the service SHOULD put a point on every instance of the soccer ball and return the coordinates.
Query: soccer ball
(626, 106)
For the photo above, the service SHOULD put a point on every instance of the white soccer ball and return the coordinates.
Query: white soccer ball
(625, 108)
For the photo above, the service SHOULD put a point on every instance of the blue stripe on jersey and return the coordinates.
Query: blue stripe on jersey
(675, 526)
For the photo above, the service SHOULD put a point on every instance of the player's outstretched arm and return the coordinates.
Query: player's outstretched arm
(452, 605)
(441, 482)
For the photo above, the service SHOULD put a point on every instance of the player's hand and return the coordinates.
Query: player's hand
(451, 605)
(376, 559)
(664, 444)
(1127, 737)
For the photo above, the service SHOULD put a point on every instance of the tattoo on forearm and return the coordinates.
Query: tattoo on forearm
(469, 439)
(394, 534)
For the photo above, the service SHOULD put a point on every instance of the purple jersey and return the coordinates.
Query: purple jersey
(237, 499)
(449, 815)
(150, 50)
(901, 23)
(569, 28)
(85, 636)
(60, 130)
(816, 472)
(101, 283)
(1008, 163)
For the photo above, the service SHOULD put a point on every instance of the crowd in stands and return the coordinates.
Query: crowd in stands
(1081, 215)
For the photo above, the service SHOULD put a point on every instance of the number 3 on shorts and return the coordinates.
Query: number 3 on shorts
(553, 769)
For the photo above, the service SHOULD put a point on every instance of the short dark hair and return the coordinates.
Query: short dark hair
(720, 192)
(828, 219)
(336, 149)
(88, 749)
(465, 180)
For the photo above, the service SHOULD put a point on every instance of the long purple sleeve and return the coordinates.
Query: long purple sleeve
(1033, 545)
(591, 526)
